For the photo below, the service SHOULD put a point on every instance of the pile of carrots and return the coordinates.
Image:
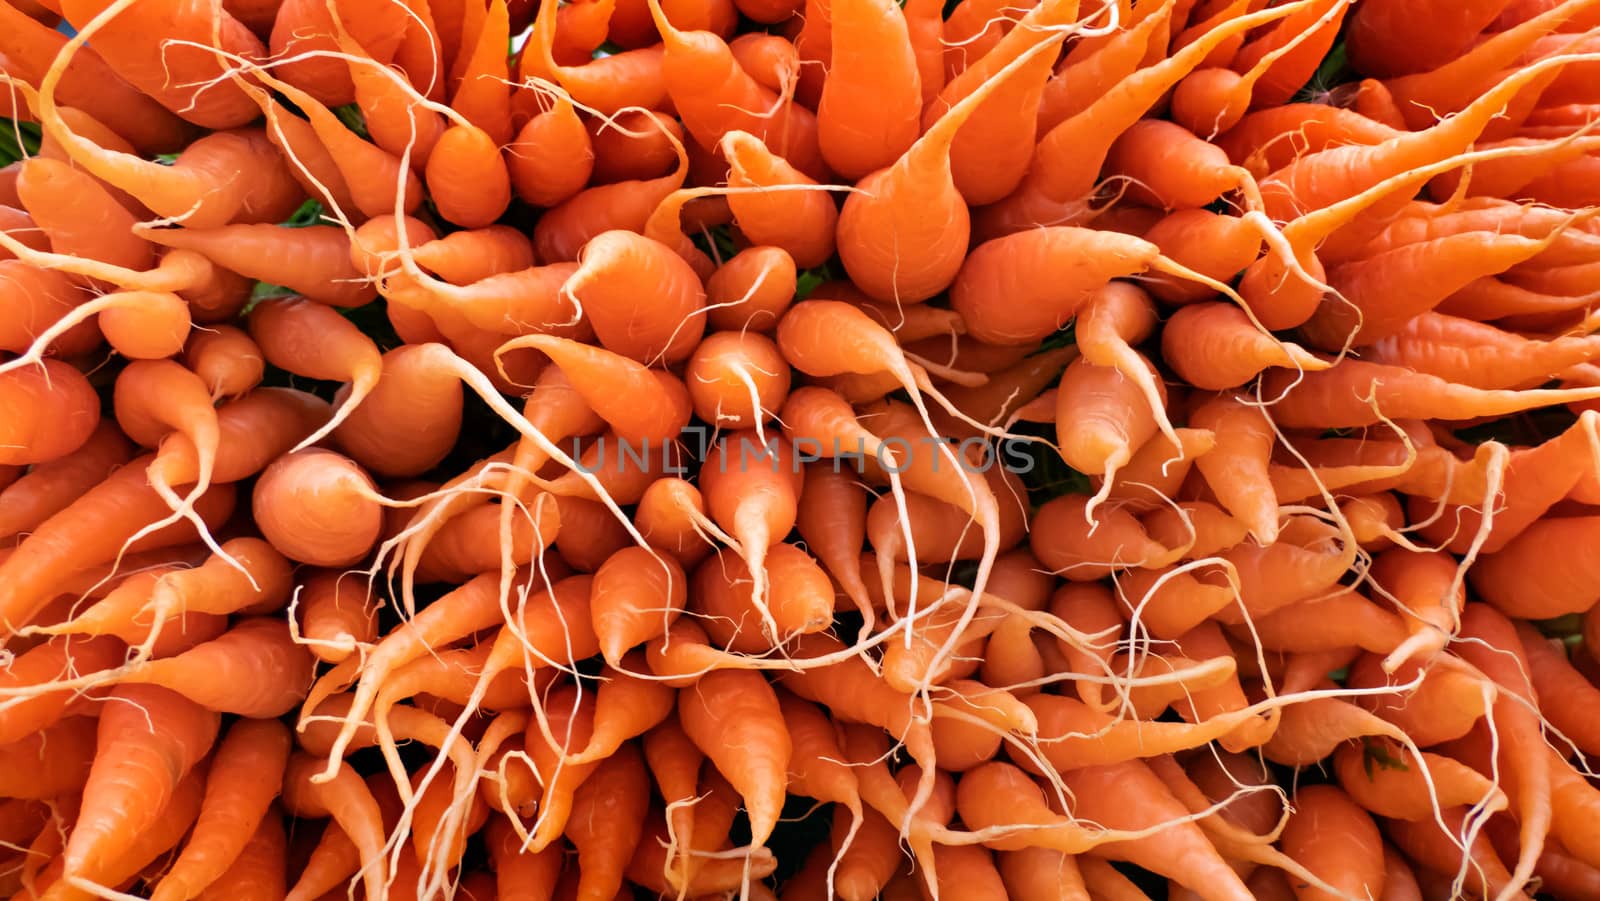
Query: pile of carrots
(799, 449)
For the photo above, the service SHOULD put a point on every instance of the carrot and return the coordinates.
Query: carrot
(1354, 392)
(482, 95)
(552, 157)
(246, 575)
(1337, 841)
(1178, 851)
(1554, 676)
(1068, 158)
(1385, 38)
(1429, 272)
(469, 202)
(614, 386)
(49, 487)
(751, 290)
(797, 217)
(1050, 273)
(127, 43)
(51, 762)
(409, 422)
(1441, 851)
(737, 378)
(313, 261)
(258, 872)
(43, 666)
(1214, 245)
(669, 516)
(358, 816)
(1215, 346)
(53, 413)
(1104, 416)
(226, 359)
(752, 491)
(608, 814)
(1391, 781)
(253, 431)
(874, 52)
(239, 793)
(616, 266)
(887, 239)
(61, 545)
(518, 874)
(636, 595)
(318, 507)
(607, 84)
(149, 738)
(102, 229)
(1062, 537)
(260, 671)
(734, 717)
(90, 84)
(713, 96)
(311, 340)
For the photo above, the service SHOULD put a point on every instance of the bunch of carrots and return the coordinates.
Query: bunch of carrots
(799, 449)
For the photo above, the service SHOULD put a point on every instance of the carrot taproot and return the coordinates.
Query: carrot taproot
(240, 789)
(886, 237)
(149, 739)
(318, 507)
(796, 215)
(552, 157)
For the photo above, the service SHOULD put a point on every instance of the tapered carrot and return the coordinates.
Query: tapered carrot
(226, 359)
(1429, 272)
(1216, 347)
(126, 39)
(149, 739)
(888, 241)
(610, 284)
(409, 422)
(47, 488)
(1214, 245)
(336, 616)
(860, 138)
(751, 289)
(61, 546)
(1357, 393)
(240, 789)
(246, 576)
(1440, 345)
(1051, 273)
(318, 507)
(312, 261)
(608, 814)
(258, 872)
(1439, 851)
(1325, 823)
(102, 229)
(51, 762)
(636, 595)
(260, 671)
(552, 156)
(1309, 184)
(52, 415)
(519, 874)
(305, 33)
(1103, 417)
(714, 96)
(1389, 780)
(90, 84)
(796, 216)
(1385, 39)
(1179, 851)
(1068, 158)
(613, 386)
